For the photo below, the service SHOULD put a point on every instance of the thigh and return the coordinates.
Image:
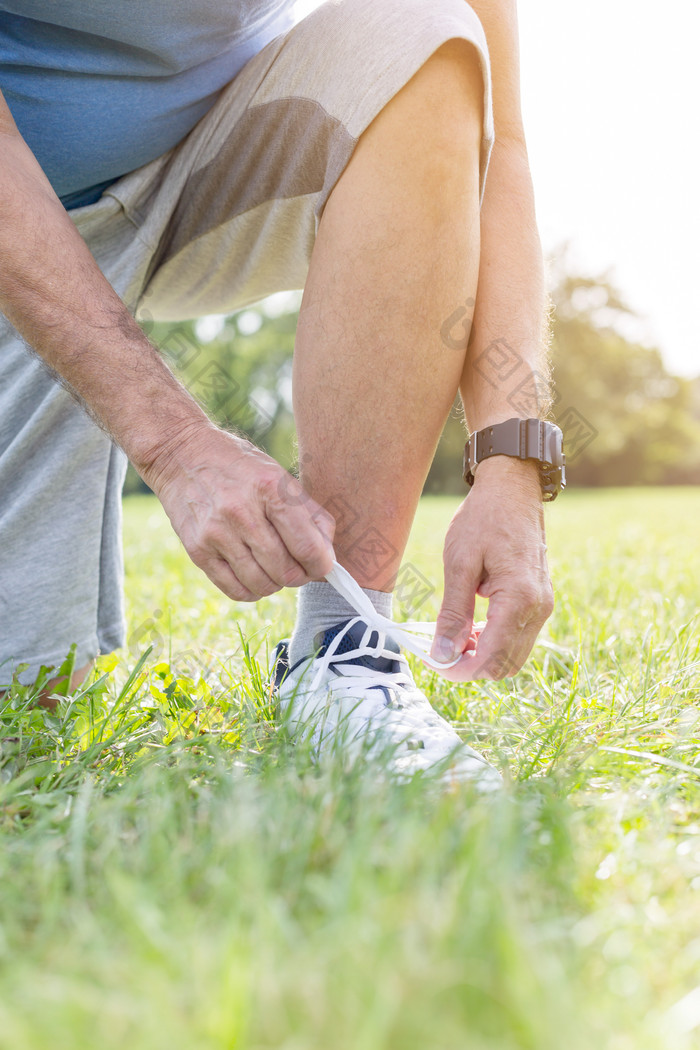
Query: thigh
(239, 202)
(60, 485)
(60, 555)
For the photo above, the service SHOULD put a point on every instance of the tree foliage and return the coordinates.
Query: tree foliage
(629, 420)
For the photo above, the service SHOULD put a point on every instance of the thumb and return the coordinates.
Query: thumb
(325, 523)
(455, 621)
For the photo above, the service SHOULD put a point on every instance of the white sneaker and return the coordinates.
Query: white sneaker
(358, 696)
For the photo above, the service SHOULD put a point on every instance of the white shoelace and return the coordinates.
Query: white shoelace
(354, 674)
(414, 635)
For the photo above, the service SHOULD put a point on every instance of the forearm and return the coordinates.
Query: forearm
(54, 294)
(506, 370)
(495, 544)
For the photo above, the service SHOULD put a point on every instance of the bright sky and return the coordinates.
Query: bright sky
(610, 90)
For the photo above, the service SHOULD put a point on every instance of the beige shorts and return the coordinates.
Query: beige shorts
(228, 216)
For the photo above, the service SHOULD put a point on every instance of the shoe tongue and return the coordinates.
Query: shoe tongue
(352, 639)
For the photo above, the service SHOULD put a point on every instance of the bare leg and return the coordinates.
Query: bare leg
(397, 252)
(45, 697)
(79, 676)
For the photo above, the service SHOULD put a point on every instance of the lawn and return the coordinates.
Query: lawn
(175, 874)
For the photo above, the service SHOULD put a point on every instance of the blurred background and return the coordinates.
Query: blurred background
(607, 94)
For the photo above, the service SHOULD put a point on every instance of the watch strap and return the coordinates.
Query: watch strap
(523, 439)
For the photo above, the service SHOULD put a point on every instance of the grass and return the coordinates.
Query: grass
(175, 874)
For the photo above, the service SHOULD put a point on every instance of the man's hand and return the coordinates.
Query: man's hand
(495, 547)
(246, 522)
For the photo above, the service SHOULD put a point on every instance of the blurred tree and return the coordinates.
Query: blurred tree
(625, 419)
(240, 370)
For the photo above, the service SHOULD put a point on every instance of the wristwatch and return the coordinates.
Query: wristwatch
(524, 439)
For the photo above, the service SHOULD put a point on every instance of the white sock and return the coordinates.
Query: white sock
(319, 607)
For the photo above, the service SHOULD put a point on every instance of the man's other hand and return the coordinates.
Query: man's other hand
(495, 548)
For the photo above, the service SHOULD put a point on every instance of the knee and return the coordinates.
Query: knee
(366, 37)
(451, 81)
(438, 113)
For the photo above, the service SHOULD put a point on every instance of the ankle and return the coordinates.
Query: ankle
(319, 608)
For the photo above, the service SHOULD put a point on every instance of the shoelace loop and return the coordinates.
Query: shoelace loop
(351, 673)
(414, 635)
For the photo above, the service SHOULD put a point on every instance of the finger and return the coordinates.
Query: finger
(222, 576)
(246, 580)
(252, 575)
(270, 553)
(516, 614)
(474, 634)
(454, 626)
(298, 524)
(490, 660)
(504, 644)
